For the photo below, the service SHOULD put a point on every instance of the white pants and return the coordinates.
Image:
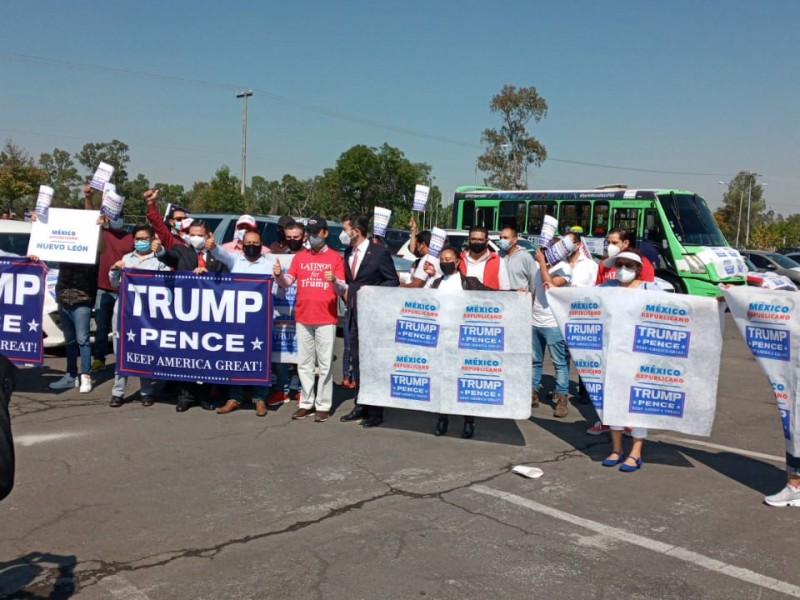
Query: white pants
(640, 433)
(315, 348)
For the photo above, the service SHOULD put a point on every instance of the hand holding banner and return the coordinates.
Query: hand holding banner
(421, 197)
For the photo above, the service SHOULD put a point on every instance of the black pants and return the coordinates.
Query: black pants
(8, 373)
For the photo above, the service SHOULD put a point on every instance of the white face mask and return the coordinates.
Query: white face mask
(238, 235)
(197, 241)
(344, 238)
(626, 274)
(613, 250)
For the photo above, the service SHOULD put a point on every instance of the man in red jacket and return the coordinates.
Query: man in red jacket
(169, 236)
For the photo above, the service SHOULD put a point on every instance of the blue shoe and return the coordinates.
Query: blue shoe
(613, 462)
(631, 468)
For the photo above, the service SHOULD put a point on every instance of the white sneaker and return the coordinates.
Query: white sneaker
(788, 496)
(86, 384)
(66, 382)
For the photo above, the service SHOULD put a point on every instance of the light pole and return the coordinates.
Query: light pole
(244, 95)
(739, 220)
(749, 198)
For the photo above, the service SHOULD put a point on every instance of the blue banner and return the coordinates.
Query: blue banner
(21, 307)
(210, 328)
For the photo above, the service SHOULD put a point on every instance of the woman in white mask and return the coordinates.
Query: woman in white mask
(628, 265)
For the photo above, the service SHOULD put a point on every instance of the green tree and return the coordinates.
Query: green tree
(743, 199)
(114, 153)
(173, 193)
(263, 196)
(135, 206)
(511, 150)
(20, 178)
(221, 194)
(62, 175)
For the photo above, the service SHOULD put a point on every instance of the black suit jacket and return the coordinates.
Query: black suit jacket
(374, 268)
(184, 258)
(7, 378)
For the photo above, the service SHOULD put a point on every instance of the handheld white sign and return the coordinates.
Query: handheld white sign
(421, 197)
(381, 221)
(67, 235)
(43, 201)
(102, 176)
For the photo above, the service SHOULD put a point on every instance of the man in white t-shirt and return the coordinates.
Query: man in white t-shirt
(421, 250)
(554, 271)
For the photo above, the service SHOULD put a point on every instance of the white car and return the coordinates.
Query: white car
(14, 237)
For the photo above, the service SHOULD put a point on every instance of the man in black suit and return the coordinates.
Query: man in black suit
(365, 263)
(195, 257)
(8, 374)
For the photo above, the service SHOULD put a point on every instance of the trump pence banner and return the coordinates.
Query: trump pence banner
(649, 358)
(446, 351)
(22, 288)
(769, 321)
(187, 327)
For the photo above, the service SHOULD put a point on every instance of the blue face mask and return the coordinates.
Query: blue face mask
(142, 246)
(504, 244)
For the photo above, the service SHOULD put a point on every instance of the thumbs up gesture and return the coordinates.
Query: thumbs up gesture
(276, 268)
(329, 275)
(211, 243)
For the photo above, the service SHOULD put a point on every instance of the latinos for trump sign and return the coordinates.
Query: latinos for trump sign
(187, 327)
(21, 306)
(446, 351)
(769, 320)
(66, 236)
(660, 354)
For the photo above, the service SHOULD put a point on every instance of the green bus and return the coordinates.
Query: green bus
(673, 226)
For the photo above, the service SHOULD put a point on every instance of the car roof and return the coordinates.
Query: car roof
(9, 226)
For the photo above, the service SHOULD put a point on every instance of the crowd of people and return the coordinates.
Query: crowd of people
(322, 277)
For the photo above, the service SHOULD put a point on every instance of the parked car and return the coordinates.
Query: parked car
(773, 262)
(14, 238)
(767, 279)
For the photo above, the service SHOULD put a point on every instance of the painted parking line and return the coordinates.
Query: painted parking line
(684, 554)
(750, 453)
(30, 439)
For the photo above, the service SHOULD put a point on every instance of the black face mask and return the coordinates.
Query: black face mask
(448, 268)
(478, 247)
(252, 250)
(294, 245)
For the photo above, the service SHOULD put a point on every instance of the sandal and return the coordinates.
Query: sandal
(611, 462)
(626, 468)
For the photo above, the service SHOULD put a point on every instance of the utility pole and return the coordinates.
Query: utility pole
(244, 95)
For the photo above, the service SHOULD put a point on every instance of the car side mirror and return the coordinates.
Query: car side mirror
(771, 267)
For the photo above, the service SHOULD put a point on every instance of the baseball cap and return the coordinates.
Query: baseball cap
(284, 221)
(246, 220)
(316, 224)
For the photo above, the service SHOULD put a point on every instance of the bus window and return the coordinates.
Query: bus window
(653, 242)
(573, 214)
(536, 213)
(467, 214)
(512, 214)
(484, 216)
(600, 219)
(628, 219)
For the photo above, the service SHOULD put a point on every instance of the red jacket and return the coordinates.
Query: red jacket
(491, 271)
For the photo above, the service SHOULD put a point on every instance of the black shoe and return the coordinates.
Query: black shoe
(147, 400)
(469, 430)
(116, 401)
(371, 422)
(207, 405)
(184, 405)
(356, 414)
(441, 427)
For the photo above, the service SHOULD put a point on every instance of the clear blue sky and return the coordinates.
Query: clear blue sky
(694, 90)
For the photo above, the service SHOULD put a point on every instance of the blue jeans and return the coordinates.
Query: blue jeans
(260, 392)
(75, 325)
(550, 337)
(103, 311)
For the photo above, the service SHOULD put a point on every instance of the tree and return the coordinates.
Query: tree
(114, 153)
(221, 194)
(511, 150)
(743, 198)
(62, 175)
(19, 175)
(135, 206)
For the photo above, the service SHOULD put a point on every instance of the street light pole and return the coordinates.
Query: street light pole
(749, 198)
(244, 95)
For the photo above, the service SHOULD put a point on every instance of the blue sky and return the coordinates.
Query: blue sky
(672, 94)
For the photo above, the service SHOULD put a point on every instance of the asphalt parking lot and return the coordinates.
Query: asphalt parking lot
(138, 503)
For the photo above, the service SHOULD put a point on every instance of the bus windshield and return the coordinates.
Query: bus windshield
(690, 219)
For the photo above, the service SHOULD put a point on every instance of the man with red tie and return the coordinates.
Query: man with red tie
(365, 263)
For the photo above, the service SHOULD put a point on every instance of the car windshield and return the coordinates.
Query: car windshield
(783, 261)
(690, 219)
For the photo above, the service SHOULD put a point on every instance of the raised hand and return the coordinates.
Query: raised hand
(276, 268)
